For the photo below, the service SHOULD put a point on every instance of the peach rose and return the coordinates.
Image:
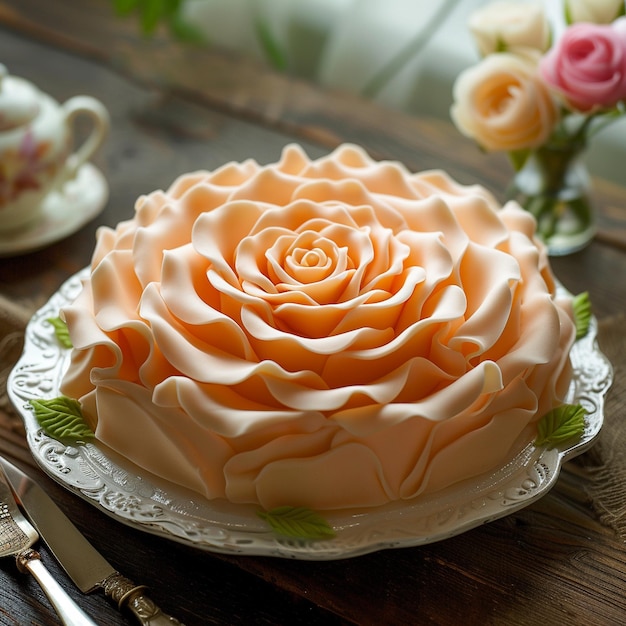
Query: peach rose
(326, 333)
(509, 25)
(587, 66)
(502, 104)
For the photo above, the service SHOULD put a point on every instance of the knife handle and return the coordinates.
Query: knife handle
(123, 592)
(68, 611)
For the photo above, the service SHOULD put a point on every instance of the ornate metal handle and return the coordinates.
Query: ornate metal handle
(68, 611)
(131, 597)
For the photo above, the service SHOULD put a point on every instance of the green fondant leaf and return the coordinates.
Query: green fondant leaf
(61, 331)
(582, 313)
(62, 419)
(297, 521)
(561, 424)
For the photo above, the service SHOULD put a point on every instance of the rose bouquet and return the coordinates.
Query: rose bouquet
(541, 99)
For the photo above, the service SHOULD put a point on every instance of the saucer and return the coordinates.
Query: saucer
(63, 213)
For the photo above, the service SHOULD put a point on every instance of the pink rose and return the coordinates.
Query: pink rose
(587, 66)
(327, 333)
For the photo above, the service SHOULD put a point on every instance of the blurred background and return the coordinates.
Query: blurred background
(404, 54)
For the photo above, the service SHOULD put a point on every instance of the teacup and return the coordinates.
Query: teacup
(37, 155)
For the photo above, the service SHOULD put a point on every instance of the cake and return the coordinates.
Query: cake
(328, 333)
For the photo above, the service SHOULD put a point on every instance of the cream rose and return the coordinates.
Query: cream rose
(502, 104)
(327, 333)
(510, 25)
(593, 11)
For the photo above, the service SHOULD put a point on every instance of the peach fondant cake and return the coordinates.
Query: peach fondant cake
(328, 333)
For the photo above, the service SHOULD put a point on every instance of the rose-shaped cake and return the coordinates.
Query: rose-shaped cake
(327, 333)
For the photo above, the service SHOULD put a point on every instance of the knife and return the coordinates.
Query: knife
(89, 570)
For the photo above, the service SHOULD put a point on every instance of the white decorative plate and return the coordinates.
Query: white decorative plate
(147, 503)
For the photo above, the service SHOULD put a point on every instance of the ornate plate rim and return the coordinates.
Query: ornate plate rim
(143, 501)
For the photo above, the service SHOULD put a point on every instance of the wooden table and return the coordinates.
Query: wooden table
(175, 109)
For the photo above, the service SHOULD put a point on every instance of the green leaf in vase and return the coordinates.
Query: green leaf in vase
(62, 419)
(61, 331)
(519, 158)
(561, 424)
(582, 313)
(297, 521)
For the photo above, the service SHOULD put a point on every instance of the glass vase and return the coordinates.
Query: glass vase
(554, 185)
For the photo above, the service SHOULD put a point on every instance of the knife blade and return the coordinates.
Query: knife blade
(87, 568)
